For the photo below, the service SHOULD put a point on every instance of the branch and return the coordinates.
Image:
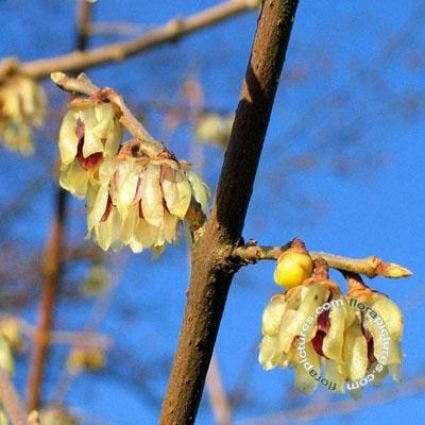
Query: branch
(220, 404)
(11, 401)
(368, 266)
(116, 52)
(83, 85)
(212, 267)
(52, 261)
(340, 407)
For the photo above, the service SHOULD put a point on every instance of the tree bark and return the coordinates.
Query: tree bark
(212, 264)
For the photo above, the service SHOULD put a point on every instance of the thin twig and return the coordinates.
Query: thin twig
(340, 407)
(369, 266)
(52, 261)
(116, 52)
(11, 402)
(219, 402)
(84, 85)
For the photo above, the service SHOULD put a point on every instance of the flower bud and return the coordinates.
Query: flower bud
(293, 266)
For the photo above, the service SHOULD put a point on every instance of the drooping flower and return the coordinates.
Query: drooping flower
(297, 329)
(22, 106)
(90, 132)
(139, 201)
(381, 324)
(340, 342)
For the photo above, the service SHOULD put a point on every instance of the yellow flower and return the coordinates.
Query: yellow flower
(342, 343)
(90, 132)
(22, 106)
(293, 266)
(6, 359)
(86, 358)
(11, 330)
(139, 201)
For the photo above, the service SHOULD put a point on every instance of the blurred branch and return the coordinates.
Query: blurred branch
(219, 402)
(99, 311)
(116, 28)
(12, 403)
(116, 52)
(82, 339)
(212, 268)
(343, 407)
(52, 258)
(369, 266)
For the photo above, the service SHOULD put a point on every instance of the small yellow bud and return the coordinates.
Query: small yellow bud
(395, 271)
(293, 267)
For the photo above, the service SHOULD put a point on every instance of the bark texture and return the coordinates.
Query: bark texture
(212, 262)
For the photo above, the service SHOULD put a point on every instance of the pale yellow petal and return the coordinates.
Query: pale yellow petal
(304, 381)
(355, 353)
(74, 178)
(334, 339)
(152, 200)
(272, 316)
(200, 190)
(68, 140)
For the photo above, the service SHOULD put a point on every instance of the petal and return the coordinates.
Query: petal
(92, 141)
(272, 316)
(169, 227)
(96, 208)
(74, 179)
(68, 140)
(334, 374)
(129, 224)
(268, 353)
(201, 192)
(152, 201)
(105, 231)
(311, 297)
(355, 353)
(146, 234)
(127, 192)
(177, 191)
(334, 339)
(285, 338)
(390, 314)
(304, 382)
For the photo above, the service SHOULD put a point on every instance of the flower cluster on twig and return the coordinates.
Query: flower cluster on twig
(136, 192)
(341, 342)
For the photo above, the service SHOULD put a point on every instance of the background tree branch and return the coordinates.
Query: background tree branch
(11, 401)
(212, 268)
(52, 257)
(116, 52)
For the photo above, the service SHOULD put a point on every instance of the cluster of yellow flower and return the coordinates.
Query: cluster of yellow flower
(22, 106)
(341, 342)
(133, 198)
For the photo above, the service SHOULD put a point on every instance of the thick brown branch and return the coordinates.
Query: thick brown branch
(369, 266)
(115, 52)
(212, 268)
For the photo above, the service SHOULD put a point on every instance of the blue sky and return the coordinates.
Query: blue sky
(351, 53)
